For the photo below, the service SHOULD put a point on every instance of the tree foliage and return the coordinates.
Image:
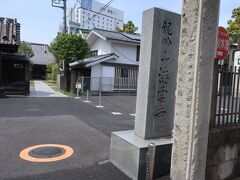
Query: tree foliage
(69, 48)
(25, 49)
(52, 70)
(234, 26)
(128, 28)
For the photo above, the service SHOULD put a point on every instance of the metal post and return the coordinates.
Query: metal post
(150, 160)
(214, 94)
(65, 16)
(110, 85)
(77, 86)
(82, 90)
(63, 5)
(87, 101)
(77, 92)
(100, 96)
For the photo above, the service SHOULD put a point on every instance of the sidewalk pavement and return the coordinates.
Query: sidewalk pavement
(41, 89)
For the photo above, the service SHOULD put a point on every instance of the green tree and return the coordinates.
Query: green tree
(128, 28)
(234, 26)
(25, 49)
(68, 48)
(52, 70)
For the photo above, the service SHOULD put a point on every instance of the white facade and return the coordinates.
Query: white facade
(110, 75)
(126, 52)
(104, 75)
(107, 19)
(101, 46)
(114, 62)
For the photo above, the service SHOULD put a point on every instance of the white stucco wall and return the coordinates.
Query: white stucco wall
(108, 73)
(96, 73)
(127, 53)
(103, 74)
(102, 46)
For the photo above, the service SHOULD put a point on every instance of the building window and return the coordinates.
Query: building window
(138, 53)
(124, 72)
(94, 53)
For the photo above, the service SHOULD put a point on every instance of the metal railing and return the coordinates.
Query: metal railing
(227, 100)
(107, 84)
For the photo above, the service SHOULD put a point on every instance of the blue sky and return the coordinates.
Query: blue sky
(40, 21)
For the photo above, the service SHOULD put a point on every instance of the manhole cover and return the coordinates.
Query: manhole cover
(47, 152)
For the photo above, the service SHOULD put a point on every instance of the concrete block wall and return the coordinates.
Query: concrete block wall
(223, 160)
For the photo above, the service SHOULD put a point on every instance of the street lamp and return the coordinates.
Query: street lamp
(63, 5)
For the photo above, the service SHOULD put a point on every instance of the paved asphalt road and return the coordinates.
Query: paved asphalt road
(26, 122)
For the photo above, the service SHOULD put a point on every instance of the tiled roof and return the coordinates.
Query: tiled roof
(118, 36)
(93, 59)
(42, 55)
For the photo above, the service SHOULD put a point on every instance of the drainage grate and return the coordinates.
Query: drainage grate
(47, 152)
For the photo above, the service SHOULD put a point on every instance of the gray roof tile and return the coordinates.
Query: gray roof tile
(42, 55)
(118, 36)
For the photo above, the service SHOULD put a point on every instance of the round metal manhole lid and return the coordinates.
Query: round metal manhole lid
(47, 152)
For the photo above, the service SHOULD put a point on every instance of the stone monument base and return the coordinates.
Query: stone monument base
(128, 153)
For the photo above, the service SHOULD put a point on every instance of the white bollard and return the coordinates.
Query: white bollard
(100, 101)
(77, 91)
(87, 101)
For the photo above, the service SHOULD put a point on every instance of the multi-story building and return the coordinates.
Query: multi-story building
(93, 14)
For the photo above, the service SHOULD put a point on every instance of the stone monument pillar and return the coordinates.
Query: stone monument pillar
(194, 87)
(155, 98)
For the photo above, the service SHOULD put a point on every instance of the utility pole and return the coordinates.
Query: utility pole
(63, 5)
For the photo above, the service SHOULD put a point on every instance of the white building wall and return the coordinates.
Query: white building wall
(102, 76)
(96, 73)
(127, 53)
(107, 82)
(108, 19)
(102, 46)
